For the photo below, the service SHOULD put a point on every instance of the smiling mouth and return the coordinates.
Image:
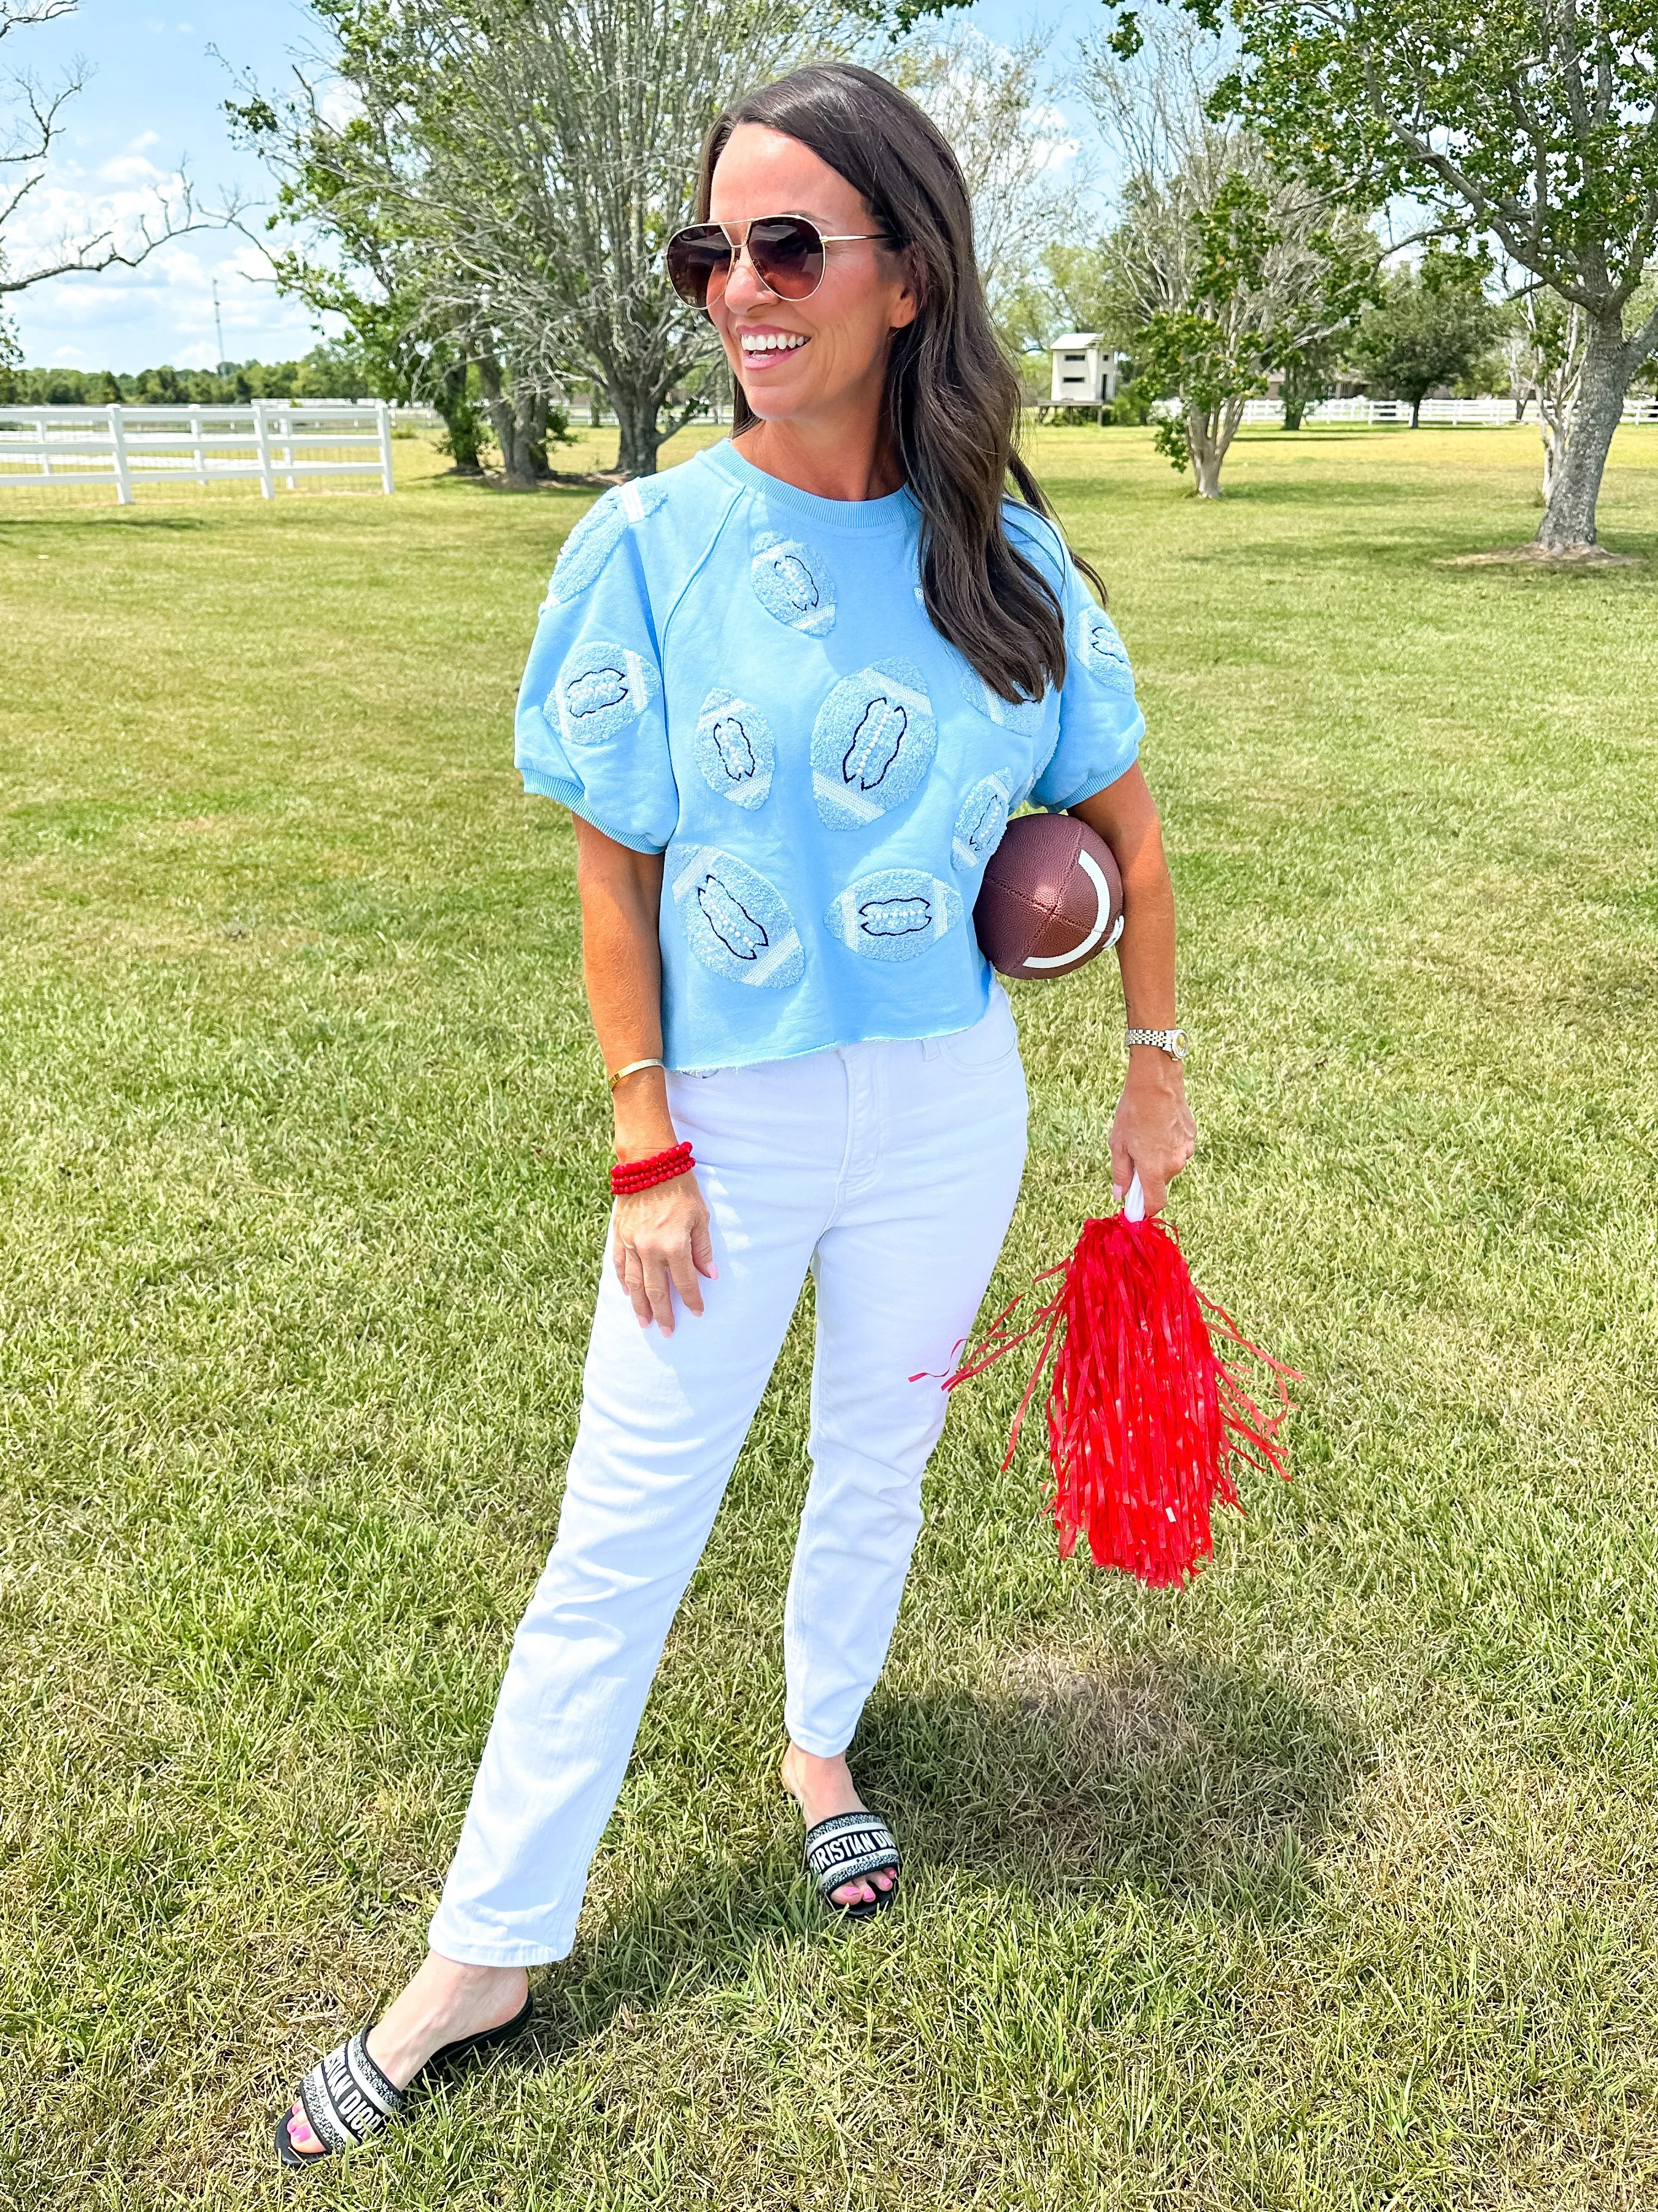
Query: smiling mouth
(756, 346)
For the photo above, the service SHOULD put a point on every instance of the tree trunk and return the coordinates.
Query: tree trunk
(532, 421)
(1294, 407)
(1203, 443)
(454, 404)
(639, 434)
(1574, 488)
(1416, 412)
(1209, 435)
(511, 425)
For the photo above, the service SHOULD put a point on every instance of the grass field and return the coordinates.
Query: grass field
(1327, 1884)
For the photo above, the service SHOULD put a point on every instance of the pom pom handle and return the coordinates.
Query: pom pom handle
(1133, 1206)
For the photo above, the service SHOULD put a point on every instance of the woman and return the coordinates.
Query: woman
(790, 692)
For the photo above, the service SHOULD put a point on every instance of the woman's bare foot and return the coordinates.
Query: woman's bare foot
(445, 2001)
(822, 1788)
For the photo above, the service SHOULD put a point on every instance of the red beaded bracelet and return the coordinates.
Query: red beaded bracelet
(630, 1175)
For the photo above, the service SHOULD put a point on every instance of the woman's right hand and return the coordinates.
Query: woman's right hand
(660, 1240)
(662, 1244)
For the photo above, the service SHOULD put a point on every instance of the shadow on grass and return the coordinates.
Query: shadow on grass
(1323, 435)
(1195, 1783)
(22, 534)
(93, 518)
(1169, 1776)
(1437, 557)
(1314, 489)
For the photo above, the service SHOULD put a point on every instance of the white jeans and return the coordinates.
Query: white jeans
(890, 1170)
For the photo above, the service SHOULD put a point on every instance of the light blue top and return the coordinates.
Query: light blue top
(742, 678)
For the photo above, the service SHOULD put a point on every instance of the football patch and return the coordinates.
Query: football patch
(894, 914)
(601, 688)
(734, 920)
(734, 749)
(586, 549)
(1024, 717)
(597, 536)
(981, 819)
(1101, 651)
(642, 496)
(793, 583)
(871, 744)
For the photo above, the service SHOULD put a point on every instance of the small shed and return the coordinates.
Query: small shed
(1085, 370)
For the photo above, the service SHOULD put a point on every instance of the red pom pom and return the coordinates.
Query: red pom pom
(1146, 1424)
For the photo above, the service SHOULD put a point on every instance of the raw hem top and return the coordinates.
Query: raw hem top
(742, 676)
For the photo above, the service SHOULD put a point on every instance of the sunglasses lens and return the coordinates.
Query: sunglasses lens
(788, 256)
(698, 261)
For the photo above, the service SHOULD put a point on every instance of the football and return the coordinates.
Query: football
(1051, 898)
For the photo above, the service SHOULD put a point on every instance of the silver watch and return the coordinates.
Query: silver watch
(1173, 1042)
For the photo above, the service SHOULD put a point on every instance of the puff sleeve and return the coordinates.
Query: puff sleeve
(590, 731)
(1101, 724)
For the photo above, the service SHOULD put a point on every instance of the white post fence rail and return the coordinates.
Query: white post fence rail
(1490, 413)
(262, 441)
(117, 446)
(130, 446)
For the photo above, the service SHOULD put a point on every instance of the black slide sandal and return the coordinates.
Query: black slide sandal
(346, 2098)
(847, 1847)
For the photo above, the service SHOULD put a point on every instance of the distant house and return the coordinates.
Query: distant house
(1085, 370)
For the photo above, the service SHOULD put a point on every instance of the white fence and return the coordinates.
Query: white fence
(274, 441)
(1488, 414)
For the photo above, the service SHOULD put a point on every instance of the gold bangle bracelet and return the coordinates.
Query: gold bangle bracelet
(634, 1067)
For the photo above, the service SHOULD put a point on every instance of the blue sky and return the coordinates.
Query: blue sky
(155, 98)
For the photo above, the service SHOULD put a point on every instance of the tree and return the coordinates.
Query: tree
(1307, 372)
(1557, 343)
(326, 373)
(538, 154)
(561, 157)
(993, 105)
(1069, 288)
(1534, 122)
(1262, 293)
(1547, 346)
(1514, 351)
(1227, 268)
(1643, 304)
(28, 138)
(343, 181)
(1432, 325)
(403, 357)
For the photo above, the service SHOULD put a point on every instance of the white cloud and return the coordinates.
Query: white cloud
(1057, 143)
(162, 310)
(339, 104)
(73, 203)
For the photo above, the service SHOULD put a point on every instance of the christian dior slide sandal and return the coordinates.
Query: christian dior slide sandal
(346, 2098)
(845, 1848)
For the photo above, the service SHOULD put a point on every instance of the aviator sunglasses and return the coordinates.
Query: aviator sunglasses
(785, 252)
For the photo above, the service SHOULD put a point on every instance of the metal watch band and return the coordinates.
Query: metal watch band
(1174, 1043)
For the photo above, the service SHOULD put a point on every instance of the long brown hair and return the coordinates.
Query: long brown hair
(952, 397)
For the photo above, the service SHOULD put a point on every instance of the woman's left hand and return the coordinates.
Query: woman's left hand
(1153, 1135)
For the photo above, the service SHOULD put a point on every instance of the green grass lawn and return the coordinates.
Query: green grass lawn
(1328, 1883)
